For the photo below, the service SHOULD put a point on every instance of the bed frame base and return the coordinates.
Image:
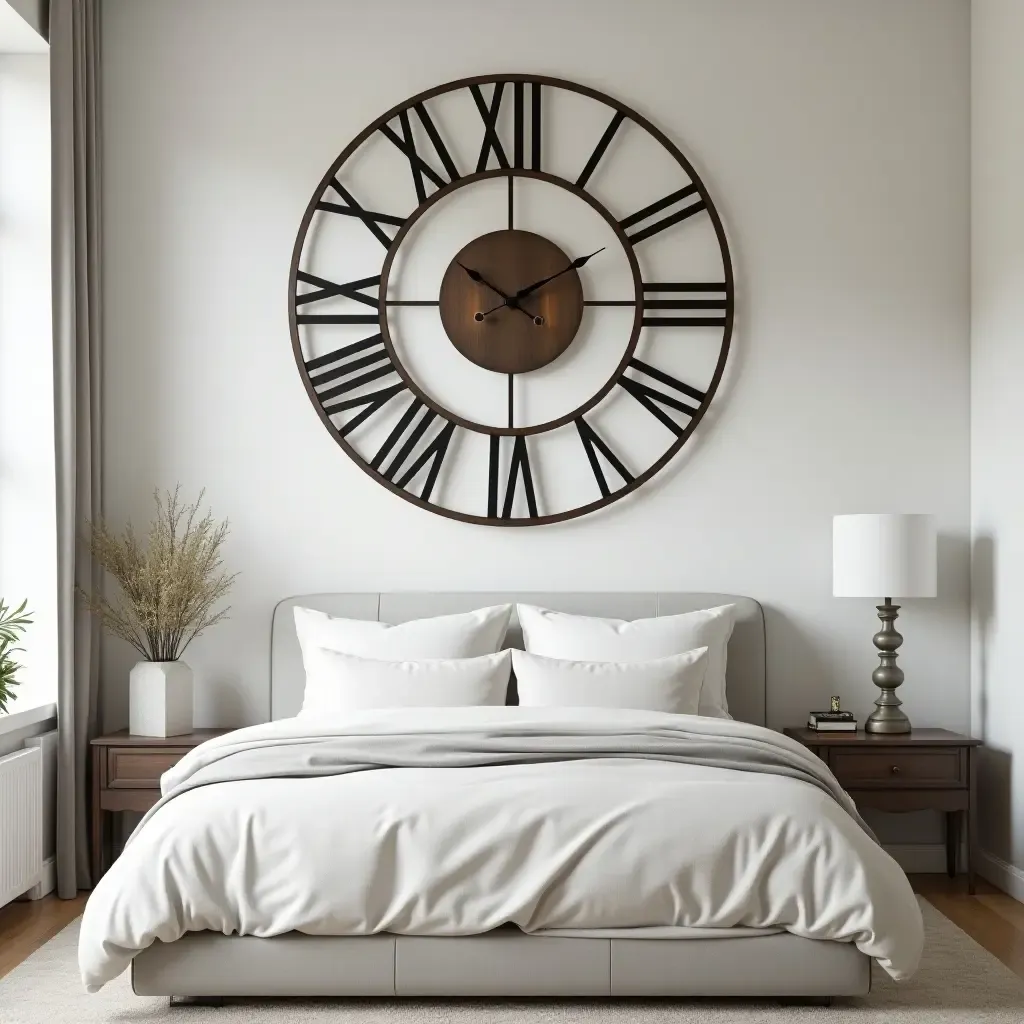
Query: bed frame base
(206, 968)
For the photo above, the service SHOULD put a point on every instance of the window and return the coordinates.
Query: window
(27, 488)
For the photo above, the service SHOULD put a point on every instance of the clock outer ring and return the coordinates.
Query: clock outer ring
(716, 221)
(602, 392)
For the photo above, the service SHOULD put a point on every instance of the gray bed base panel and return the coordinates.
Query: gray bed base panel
(505, 963)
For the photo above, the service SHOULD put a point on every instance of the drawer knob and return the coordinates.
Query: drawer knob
(895, 769)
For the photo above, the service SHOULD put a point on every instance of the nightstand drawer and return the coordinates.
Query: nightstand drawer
(131, 768)
(941, 767)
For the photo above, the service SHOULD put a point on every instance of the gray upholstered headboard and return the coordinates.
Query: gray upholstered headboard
(745, 671)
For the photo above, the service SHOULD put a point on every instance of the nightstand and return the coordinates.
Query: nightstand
(126, 774)
(927, 769)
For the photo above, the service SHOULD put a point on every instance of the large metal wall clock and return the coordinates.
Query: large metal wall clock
(511, 300)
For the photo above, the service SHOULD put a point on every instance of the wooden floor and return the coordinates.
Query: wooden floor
(991, 918)
(24, 927)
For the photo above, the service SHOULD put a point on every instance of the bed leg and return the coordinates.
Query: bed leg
(197, 1000)
(806, 1001)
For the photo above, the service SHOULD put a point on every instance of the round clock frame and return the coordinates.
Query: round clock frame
(520, 357)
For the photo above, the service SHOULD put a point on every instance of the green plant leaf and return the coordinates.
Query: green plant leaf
(12, 626)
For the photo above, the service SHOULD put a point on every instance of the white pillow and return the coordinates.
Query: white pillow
(336, 682)
(467, 635)
(583, 637)
(664, 684)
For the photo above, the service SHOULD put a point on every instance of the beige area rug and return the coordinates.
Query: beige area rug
(959, 982)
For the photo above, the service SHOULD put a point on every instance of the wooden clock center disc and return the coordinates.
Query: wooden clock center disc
(508, 339)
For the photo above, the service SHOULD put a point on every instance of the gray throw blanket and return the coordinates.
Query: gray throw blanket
(368, 744)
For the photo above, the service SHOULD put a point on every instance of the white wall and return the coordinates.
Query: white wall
(28, 566)
(834, 137)
(35, 12)
(997, 427)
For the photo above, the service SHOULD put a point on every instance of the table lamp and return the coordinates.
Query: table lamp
(890, 556)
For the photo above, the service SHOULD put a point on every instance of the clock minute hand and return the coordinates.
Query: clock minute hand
(508, 300)
(575, 265)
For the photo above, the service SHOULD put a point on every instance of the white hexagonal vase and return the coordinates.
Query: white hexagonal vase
(160, 699)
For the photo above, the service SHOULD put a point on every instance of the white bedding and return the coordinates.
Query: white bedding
(592, 842)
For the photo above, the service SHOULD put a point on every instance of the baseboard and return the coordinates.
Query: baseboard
(1001, 874)
(920, 858)
(47, 881)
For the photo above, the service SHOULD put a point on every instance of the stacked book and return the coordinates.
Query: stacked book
(832, 721)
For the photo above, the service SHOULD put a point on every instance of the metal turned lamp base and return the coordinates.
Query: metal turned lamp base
(887, 716)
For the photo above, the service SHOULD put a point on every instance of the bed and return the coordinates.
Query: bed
(506, 960)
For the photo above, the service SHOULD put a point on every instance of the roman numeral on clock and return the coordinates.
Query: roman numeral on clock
(489, 113)
(399, 469)
(599, 149)
(656, 401)
(329, 289)
(594, 445)
(343, 363)
(367, 404)
(351, 208)
(692, 312)
(520, 115)
(421, 169)
(666, 222)
(518, 467)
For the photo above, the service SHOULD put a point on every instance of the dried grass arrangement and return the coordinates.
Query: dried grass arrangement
(168, 584)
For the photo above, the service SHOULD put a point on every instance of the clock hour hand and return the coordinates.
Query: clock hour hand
(507, 300)
(576, 264)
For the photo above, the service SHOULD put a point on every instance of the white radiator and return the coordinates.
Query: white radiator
(21, 822)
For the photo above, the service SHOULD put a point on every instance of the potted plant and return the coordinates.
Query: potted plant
(168, 587)
(12, 625)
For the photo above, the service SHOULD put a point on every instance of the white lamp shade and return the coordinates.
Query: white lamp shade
(883, 556)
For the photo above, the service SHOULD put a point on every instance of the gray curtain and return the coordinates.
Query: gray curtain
(75, 132)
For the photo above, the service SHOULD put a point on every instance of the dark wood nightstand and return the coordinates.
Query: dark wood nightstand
(126, 774)
(927, 769)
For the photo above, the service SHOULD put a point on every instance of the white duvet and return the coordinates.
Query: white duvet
(582, 843)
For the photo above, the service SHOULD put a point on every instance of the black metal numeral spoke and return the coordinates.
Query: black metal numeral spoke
(519, 468)
(336, 318)
(599, 149)
(593, 444)
(518, 126)
(340, 356)
(491, 143)
(715, 299)
(492, 476)
(434, 453)
(418, 166)
(371, 404)
(352, 209)
(330, 289)
(520, 465)
(655, 401)
(358, 382)
(409, 447)
(437, 142)
(399, 429)
(536, 125)
(519, 123)
(662, 204)
(341, 364)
